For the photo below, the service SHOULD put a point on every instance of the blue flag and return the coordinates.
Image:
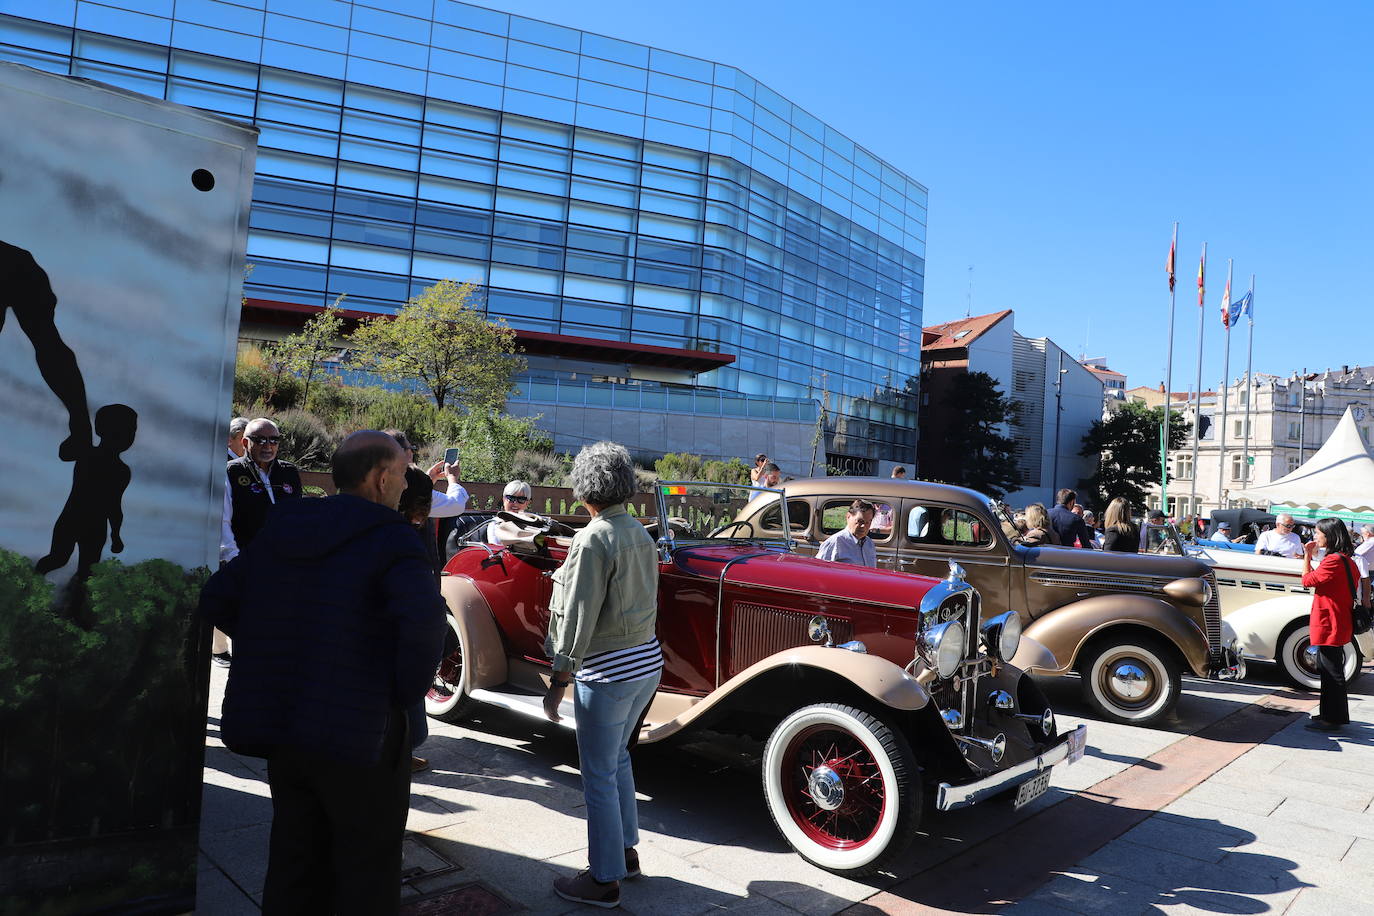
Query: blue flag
(1243, 306)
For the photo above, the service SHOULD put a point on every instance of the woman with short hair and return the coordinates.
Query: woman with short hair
(1120, 533)
(1330, 623)
(602, 619)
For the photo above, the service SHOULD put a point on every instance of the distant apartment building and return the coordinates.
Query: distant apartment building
(1059, 399)
(1113, 382)
(1290, 418)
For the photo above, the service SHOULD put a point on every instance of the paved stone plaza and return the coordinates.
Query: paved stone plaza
(1234, 808)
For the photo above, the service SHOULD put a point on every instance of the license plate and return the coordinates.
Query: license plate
(1029, 791)
(1078, 743)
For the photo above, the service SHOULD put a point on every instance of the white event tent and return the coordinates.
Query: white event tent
(1339, 476)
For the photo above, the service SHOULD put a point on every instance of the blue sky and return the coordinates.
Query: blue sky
(1060, 146)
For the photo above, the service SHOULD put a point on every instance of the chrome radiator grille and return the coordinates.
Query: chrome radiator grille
(1144, 585)
(757, 631)
(1211, 613)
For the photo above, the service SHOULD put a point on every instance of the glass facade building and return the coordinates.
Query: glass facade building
(596, 189)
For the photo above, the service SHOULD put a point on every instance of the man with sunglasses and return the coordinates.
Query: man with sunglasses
(259, 481)
(1280, 541)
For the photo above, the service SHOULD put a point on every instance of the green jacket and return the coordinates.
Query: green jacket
(605, 595)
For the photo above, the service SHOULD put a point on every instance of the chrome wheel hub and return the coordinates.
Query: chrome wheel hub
(1129, 680)
(1308, 659)
(826, 788)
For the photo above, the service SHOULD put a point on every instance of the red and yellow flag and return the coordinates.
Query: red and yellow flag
(1202, 275)
(1169, 264)
(1226, 306)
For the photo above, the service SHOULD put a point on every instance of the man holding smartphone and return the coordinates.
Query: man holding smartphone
(454, 500)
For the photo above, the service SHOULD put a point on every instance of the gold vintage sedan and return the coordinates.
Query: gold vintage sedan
(1130, 624)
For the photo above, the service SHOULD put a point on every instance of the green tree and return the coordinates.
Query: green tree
(977, 411)
(442, 340)
(303, 352)
(1127, 446)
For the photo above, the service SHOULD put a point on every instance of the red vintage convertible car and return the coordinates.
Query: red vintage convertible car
(876, 692)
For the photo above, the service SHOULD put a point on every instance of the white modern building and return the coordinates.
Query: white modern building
(1290, 418)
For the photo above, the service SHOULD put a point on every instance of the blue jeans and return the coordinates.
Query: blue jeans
(606, 715)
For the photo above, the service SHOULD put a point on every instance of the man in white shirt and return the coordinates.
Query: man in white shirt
(1280, 540)
(454, 500)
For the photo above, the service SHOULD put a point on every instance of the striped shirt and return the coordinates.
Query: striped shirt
(632, 664)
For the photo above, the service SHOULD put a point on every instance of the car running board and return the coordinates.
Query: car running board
(526, 704)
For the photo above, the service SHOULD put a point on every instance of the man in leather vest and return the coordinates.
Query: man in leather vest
(259, 481)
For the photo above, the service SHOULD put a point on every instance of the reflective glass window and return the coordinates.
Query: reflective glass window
(662, 275)
(673, 204)
(449, 190)
(723, 283)
(388, 76)
(729, 261)
(530, 204)
(661, 322)
(285, 246)
(598, 265)
(466, 41)
(596, 314)
(375, 152)
(529, 279)
(678, 88)
(458, 244)
(367, 284)
(662, 298)
(596, 240)
(297, 139)
(531, 80)
(141, 27)
(592, 214)
(134, 54)
(322, 63)
(381, 127)
(385, 22)
(542, 256)
(513, 305)
(472, 17)
(295, 111)
(603, 192)
(368, 257)
(467, 117)
(545, 33)
(232, 45)
(657, 250)
(380, 206)
(306, 33)
(267, 272)
(676, 132)
(467, 142)
(682, 112)
(212, 97)
(613, 49)
(289, 220)
(607, 119)
(542, 58)
(534, 154)
(372, 232)
(538, 106)
(599, 94)
(284, 83)
(293, 194)
(444, 267)
(468, 66)
(528, 230)
(605, 168)
(467, 168)
(55, 39)
(681, 65)
(373, 178)
(667, 227)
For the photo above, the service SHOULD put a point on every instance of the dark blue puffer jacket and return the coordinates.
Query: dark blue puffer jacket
(337, 626)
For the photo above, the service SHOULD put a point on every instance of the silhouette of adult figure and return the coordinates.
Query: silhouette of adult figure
(95, 505)
(25, 290)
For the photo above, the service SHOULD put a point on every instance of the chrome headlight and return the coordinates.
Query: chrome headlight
(1002, 635)
(942, 646)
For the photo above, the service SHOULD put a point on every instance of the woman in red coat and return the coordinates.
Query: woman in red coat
(1330, 623)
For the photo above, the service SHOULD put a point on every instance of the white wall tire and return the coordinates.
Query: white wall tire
(842, 787)
(1300, 668)
(448, 698)
(1130, 679)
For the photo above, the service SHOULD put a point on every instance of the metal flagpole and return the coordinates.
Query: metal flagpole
(1225, 384)
(1168, 381)
(1249, 362)
(1197, 413)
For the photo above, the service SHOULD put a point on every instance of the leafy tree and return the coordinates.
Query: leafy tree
(303, 352)
(977, 411)
(442, 340)
(1127, 444)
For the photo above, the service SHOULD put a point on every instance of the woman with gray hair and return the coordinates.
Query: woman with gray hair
(602, 618)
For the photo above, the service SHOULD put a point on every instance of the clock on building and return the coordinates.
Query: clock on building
(1357, 413)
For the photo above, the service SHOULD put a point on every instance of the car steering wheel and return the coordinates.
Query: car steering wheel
(730, 526)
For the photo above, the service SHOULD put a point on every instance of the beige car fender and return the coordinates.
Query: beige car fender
(1064, 630)
(1031, 656)
(484, 655)
(879, 678)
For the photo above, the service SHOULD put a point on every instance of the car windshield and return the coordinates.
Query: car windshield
(1162, 538)
(1002, 512)
(707, 511)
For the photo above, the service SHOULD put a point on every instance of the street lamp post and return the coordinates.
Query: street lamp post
(1058, 408)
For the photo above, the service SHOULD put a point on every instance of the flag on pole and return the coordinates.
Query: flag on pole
(1242, 306)
(1226, 319)
(1201, 275)
(1169, 265)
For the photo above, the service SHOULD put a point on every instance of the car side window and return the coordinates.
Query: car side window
(946, 527)
(798, 517)
(834, 511)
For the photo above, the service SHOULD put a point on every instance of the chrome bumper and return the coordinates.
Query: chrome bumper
(1232, 667)
(949, 797)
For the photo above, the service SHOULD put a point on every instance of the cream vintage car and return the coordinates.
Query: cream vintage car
(876, 693)
(1265, 607)
(1129, 624)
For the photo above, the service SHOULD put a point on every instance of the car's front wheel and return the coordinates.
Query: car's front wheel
(1298, 658)
(1133, 680)
(843, 788)
(448, 698)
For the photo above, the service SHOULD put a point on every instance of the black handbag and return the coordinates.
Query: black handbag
(1361, 615)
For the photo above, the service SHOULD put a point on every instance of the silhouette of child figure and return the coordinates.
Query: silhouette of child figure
(98, 483)
(25, 289)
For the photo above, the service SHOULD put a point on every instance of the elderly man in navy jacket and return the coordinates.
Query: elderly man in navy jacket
(338, 627)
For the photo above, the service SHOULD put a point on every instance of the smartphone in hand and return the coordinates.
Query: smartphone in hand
(451, 456)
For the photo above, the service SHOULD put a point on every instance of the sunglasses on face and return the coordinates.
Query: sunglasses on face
(518, 499)
(265, 440)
